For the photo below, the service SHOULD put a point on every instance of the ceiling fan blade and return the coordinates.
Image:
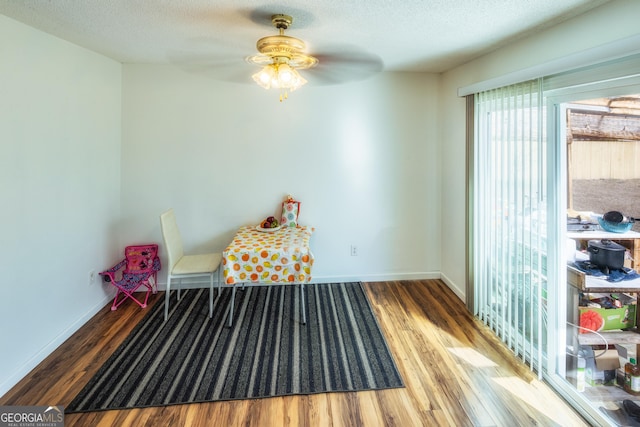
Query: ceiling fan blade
(342, 65)
(226, 64)
(222, 69)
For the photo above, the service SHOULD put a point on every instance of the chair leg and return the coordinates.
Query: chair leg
(211, 296)
(115, 304)
(166, 298)
(146, 298)
(302, 305)
(124, 294)
(153, 281)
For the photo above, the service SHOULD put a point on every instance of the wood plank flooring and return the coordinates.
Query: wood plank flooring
(456, 372)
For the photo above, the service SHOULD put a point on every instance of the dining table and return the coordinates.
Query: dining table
(264, 257)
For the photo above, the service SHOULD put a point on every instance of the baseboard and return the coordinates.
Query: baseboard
(461, 293)
(51, 346)
(194, 284)
(377, 277)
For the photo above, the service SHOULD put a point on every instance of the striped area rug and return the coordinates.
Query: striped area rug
(267, 352)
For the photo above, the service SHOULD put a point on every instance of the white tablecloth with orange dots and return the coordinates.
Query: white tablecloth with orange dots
(282, 256)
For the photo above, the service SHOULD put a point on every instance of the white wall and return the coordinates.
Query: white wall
(361, 157)
(60, 115)
(607, 24)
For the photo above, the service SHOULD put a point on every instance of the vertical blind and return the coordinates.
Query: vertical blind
(509, 217)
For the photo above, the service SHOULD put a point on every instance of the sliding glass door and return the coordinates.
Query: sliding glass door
(519, 218)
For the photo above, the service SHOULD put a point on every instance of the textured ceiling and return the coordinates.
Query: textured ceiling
(407, 35)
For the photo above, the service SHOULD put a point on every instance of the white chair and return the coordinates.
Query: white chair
(181, 266)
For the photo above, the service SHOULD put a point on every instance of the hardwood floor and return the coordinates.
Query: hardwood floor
(456, 372)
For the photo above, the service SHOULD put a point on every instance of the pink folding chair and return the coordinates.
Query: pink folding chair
(139, 267)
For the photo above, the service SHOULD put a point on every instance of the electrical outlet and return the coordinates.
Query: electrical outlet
(92, 277)
(354, 250)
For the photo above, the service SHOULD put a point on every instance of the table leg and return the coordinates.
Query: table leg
(233, 298)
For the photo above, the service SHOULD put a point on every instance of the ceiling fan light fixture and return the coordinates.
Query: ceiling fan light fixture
(286, 75)
(279, 76)
(281, 56)
(265, 76)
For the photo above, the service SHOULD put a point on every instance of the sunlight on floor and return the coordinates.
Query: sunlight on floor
(530, 393)
(532, 396)
(472, 357)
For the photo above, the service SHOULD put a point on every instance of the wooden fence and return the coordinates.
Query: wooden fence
(604, 159)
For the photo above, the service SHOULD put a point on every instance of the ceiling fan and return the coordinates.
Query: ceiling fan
(280, 58)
